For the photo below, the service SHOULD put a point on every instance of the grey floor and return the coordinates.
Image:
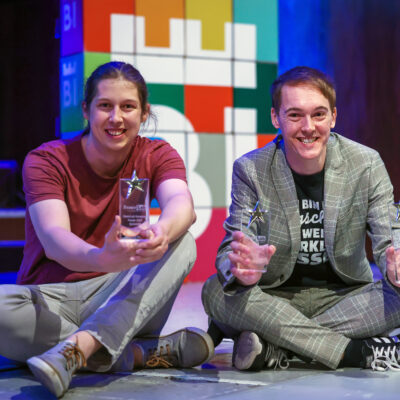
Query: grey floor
(214, 380)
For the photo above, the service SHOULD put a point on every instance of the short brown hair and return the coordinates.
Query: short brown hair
(116, 70)
(306, 76)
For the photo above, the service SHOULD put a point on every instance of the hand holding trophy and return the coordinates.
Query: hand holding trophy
(258, 221)
(394, 216)
(133, 204)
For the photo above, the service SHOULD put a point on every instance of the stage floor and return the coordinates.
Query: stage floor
(215, 380)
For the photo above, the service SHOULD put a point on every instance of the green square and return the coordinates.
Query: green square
(259, 98)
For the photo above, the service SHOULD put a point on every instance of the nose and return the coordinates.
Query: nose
(116, 115)
(308, 124)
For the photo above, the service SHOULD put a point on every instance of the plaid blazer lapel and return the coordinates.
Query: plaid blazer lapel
(284, 185)
(334, 185)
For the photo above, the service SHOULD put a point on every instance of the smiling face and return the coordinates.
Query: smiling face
(305, 120)
(115, 115)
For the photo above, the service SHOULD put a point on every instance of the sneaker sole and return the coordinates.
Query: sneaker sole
(46, 375)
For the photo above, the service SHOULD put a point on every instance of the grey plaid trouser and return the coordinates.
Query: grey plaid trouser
(314, 322)
(114, 308)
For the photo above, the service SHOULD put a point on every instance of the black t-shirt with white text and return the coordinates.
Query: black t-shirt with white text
(312, 267)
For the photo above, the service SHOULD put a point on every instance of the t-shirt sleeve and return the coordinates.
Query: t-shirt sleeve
(42, 177)
(166, 164)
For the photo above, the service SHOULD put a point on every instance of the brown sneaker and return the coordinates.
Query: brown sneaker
(185, 348)
(55, 367)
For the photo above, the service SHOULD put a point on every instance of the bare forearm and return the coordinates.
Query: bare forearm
(177, 217)
(72, 252)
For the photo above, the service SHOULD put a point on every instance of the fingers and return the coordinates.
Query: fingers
(113, 233)
(238, 235)
(271, 249)
(239, 247)
(393, 265)
(147, 250)
(155, 237)
(154, 246)
(244, 276)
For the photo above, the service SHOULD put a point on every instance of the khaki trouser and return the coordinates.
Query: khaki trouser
(114, 308)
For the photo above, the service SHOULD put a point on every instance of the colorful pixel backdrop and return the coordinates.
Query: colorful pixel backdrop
(208, 65)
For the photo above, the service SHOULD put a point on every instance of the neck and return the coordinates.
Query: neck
(307, 167)
(106, 165)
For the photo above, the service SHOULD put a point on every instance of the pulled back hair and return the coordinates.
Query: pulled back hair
(303, 76)
(115, 70)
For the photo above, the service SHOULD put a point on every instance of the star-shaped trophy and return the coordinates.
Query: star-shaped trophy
(134, 183)
(256, 215)
(258, 223)
(133, 203)
(255, 225)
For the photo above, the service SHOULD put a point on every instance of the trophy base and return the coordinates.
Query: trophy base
(132, 238)
(262, 270)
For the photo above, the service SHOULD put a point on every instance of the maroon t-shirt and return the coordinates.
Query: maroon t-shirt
(59, 170)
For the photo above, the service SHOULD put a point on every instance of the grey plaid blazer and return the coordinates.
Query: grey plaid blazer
(357, 191)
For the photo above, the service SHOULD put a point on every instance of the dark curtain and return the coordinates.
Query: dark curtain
(357, 42)
(364, 48)
(29, 104)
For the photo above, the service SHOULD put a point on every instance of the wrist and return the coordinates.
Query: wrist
(96, 259)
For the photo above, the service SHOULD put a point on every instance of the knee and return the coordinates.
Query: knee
(190, 245)
(210, 291)
(12, 298)
(186, 246)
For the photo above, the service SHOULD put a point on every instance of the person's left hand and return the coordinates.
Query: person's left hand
(154, 244)
(248, 258)
(393, 265)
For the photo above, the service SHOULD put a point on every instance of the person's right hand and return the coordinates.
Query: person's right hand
(247, 257)
(116, 254)
(393, 265)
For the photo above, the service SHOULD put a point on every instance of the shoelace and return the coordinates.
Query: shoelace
(159, 360)
(74, 355)
(282, 360)
(384, 359)
(277, 356)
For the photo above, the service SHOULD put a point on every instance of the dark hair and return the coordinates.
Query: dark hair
(115, 70)
(303, 76)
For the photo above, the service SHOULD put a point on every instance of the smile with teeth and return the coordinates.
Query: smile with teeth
(309, 140)
(115, 132)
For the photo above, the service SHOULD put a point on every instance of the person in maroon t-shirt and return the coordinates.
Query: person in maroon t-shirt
(92, 297)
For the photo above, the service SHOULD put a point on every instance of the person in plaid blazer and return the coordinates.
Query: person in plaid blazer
(317, 298)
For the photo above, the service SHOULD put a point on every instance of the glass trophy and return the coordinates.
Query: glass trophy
(133, 203)
(256, 221)
(394, 215)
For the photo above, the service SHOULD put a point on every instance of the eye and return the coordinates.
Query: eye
(104, 105)
(130, 106)
(294, 116)
(320, 115)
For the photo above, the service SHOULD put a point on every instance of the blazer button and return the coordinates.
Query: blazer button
(282, 277)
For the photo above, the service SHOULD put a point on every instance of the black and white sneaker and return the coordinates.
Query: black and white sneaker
(251, 353)
(381, 353)
(276, 357)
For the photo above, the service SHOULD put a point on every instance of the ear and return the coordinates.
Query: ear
(275, 118)
(334, 115)
(146, 113)
(85, 110)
